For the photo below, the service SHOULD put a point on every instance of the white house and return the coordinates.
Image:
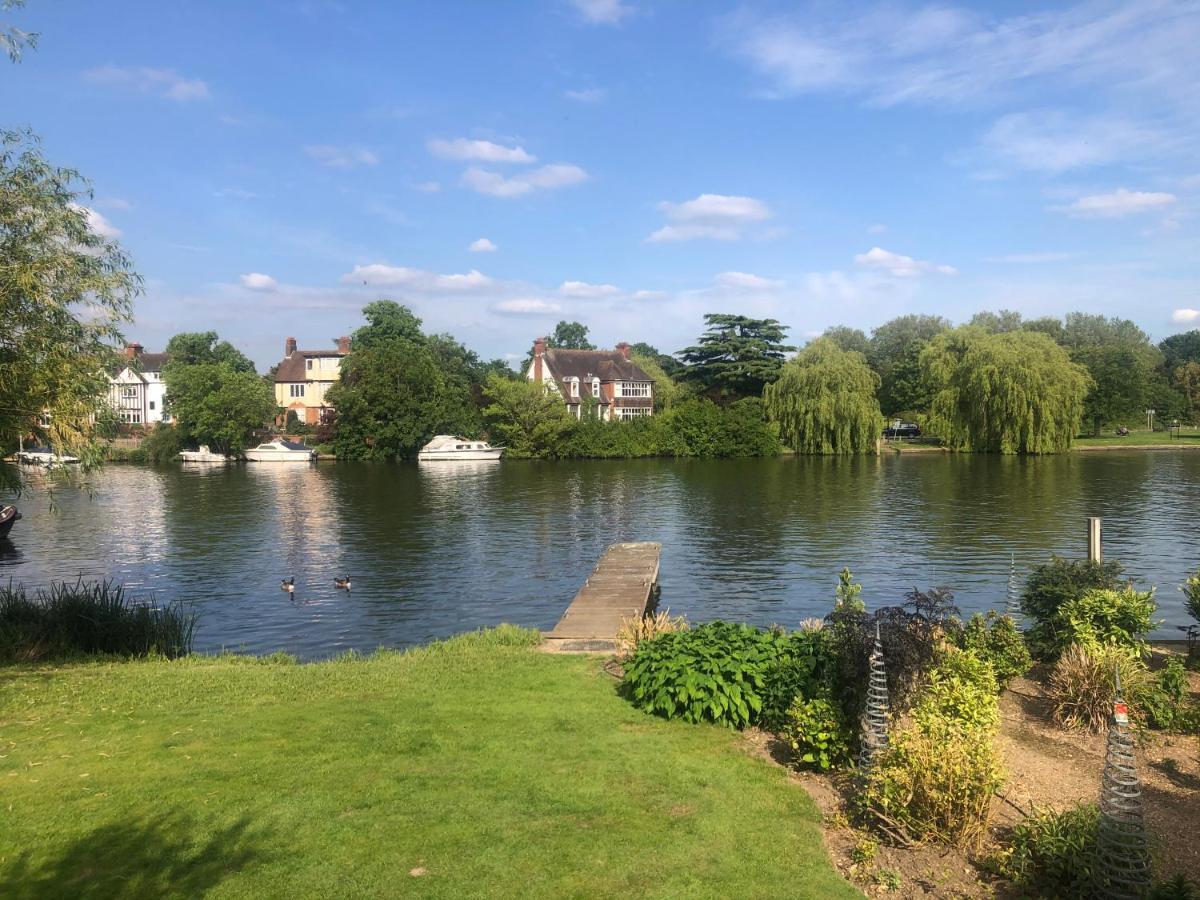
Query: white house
(137, 391)
(617, 386)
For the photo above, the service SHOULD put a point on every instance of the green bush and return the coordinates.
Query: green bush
(1163, 702)
(713, 673)
(1051, 585)
(83, 619)
(995, 638)
(801, 672)
(1119, 617)
(818, 735)
(162, 443)
(936, 779)
(1178, 888)
(1052, 854)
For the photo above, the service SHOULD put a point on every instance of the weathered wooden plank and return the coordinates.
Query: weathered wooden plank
(619, 587)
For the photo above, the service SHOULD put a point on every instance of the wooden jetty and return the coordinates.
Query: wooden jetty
(620, 587)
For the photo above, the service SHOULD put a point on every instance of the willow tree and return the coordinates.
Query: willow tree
(824, 401)
(1012, 392)
(65, 290)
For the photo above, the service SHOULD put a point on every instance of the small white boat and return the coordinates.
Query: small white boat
(281, 451)
(449, 447)
(44, 456)
(203, 455)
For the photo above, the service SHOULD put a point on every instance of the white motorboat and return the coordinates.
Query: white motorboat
(44, 456)
(203, 455)
(448, 447)
(281, 451)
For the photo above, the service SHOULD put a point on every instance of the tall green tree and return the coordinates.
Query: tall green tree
(387, 321)
(570, 336)
(196, 347)
(848, 338)
(65, 291)
(895, 355)
(736, 356)
(1181, 348)
(1121, 361)
(524, 417)
(824, 401)
(997, 322)
(217, 403)
(667, 392)
(1187, 380)
(1011, 392)
(668, 364)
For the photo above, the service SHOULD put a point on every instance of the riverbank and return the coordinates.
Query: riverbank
(472, 767)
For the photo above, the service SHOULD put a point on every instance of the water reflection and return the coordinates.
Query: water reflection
(437, 549)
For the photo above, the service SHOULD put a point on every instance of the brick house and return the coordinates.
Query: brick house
(304, 376)
(608, 378)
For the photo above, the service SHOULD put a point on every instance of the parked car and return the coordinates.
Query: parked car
(904, 430)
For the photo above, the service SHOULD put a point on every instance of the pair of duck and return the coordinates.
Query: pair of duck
(289, 584)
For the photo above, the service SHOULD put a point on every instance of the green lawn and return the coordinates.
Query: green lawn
(1143, 438)
(479, 764)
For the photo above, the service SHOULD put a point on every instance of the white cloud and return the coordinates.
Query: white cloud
(530, 306)
(747, 281)
(601, 12)
(341, 157)
(584, 291)
(145, 80)
(1121, 202)
(380, 274)
(1053, 141)
(543, 178)
(891, 54)
(482, 245)
(587, 95)
(713, 216)
(427, 187)
(97, 224)
(1185, 316)
(877, 229)
(1021, 258)
(899, 265)
(257, 281)
(649, 295)
(480, 151)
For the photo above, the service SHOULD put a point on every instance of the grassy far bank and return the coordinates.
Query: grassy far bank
(1187, 437)
(473, 767)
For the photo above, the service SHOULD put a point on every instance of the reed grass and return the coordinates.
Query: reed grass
(87, 619)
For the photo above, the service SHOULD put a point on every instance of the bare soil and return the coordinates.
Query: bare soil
(1047, 767)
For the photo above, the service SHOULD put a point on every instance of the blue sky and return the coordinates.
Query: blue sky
(633, 164)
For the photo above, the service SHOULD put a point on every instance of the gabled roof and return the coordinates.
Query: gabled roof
(607, 365)
(292, 367)
(151, 362)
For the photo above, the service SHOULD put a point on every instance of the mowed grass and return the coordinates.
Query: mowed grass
(476, 767)
(1187, 436)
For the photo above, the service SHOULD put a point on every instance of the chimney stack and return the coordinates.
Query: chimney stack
(539, 350)
(133, 351)
(289, 346)
(623, 349)
(343, 344)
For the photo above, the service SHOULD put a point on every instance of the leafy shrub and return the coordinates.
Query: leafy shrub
(1191, 592)
(1122, 618)
(936, 779)
(1052, 854)
(1163, 701)
(633, 631)
(714, 673)
(995, 638)
(1083, 683)
(82, 618)
(802, 672)
(818, 735)
(1051, 585)
(1178, 888)
(162, 443)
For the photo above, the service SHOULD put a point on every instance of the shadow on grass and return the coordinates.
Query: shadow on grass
(166, 856)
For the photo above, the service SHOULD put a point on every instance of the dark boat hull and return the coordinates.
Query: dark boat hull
(8, 518)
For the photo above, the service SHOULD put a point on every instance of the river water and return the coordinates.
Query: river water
(437, 549)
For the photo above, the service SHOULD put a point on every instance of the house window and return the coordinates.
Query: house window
(574, 387)
(308, 364)
(296, 390)
(151, 404)
(596, 388)
(129, 393)
(634, 412)
(635, 389)
(131, 416)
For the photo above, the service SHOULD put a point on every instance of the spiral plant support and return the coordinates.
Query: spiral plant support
(1012, 605)
(1122, 854)
(875, 717)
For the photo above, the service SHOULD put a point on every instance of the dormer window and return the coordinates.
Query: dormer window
(596, 388)
(574, 387)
